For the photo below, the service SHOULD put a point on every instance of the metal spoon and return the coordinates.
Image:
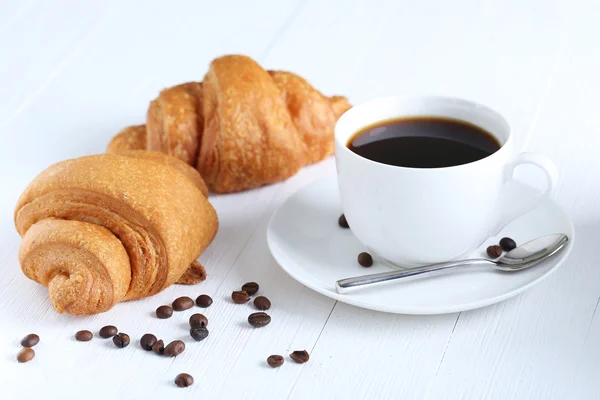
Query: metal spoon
(518, 259)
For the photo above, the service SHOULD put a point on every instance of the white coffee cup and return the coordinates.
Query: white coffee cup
(413, 216)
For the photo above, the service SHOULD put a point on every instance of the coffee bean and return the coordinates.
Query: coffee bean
(342, 222)
(84, 336)
(121, 340)
(30, 340)
(365, 259)
(164, 312)
(184, 380)
(494, 251)
(300, 356)
(199, 333)
(240, 297)
(198, 321)
(183, 303)
(175, 348)
(147, 341)
(25, 355)
(159, 347)
(262, 303)
(507, 244)
(251, 288)
(259, 319)
(108, 331)
(275, 361)
(204, 301)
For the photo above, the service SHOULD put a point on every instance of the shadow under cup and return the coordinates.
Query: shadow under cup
(415, 216)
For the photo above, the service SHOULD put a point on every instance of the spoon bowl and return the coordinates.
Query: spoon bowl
(532, 252)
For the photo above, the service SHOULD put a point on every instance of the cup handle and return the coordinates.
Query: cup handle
(543, 163)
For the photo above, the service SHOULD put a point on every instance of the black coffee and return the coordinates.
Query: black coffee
(423, 142)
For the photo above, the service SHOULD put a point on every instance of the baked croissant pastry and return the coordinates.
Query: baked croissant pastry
(106, 228)
(242, 127)
(130, 138)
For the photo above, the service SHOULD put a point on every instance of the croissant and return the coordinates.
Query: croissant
(242, 127)
(106, 228)
(130, 138)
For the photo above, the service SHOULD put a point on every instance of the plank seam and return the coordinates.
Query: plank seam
(443, 355)
(286, 24)
(313, 348)
(592, 320)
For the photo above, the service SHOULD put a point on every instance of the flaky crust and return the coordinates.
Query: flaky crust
(249, 138)
(244, 127)
(175, 122)
(85, 267)
(194, 274)
(311, 112)
(81, 218)
(130, 138)
(191, 173)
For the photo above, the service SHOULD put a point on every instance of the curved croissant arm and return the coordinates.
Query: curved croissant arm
(130, 138)
(175, 122)
(313, 114)
(85, 267)
(101, 229)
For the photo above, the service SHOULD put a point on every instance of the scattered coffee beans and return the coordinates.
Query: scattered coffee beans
(251, 288)
(199, 333)
(108, 331)
(507, 244)
(164, 312)
(204, 301)
(198, 321)
(262, 303)
(259, 319)
(240, 296)
(30, 340)
(342, 221)
(175, 348)
(121, 340)
(25, 355)
(159, 347)
(147, 341)
(300, 356)
(183, 303)
(494, 251)
(184, 380)
(365, 259)
(83, 336)
(275, 361)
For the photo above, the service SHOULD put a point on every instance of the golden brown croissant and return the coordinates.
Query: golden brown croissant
(165, 159)
(130, 138)
(101, 229)
(242, 127)
(174, 122)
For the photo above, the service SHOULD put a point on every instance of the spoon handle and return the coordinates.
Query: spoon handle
(360, 282)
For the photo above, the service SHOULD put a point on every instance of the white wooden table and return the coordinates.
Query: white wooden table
(72, 73)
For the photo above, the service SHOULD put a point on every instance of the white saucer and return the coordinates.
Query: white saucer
(305, 239)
